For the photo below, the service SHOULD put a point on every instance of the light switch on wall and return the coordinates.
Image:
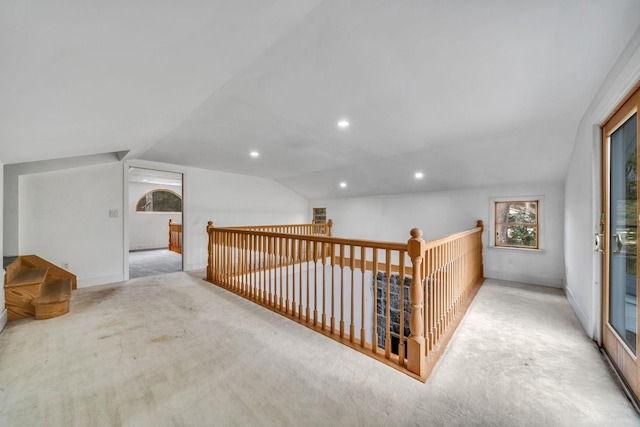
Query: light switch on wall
(113, 213)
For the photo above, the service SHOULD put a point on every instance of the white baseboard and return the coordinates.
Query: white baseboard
(580, 314)
(97, 281)
(3, 319)
(522, 278)
(195, 266)
(149, 247)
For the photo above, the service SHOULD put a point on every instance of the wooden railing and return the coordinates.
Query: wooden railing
(356, 291)
(299, 229)
(175, 237)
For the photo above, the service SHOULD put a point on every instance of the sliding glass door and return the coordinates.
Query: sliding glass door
(620, 227)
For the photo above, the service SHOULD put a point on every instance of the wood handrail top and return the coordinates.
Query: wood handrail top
(442, 240)
(253, 227)
(352, 242)
(322, 239)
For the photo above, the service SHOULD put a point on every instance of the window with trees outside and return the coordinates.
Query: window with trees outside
(159, 201)
(516, 224)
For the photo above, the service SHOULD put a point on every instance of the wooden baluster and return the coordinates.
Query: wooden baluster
(233, 258)
(333, 287)
(374, 332)
(387, 341)
(308, 256)
(246, 290)
(352, 259)
(251, 248)
(252, 267)
(257, 294)
(210, 258)
(220, 265)
(299, 262)
(235, 268)
(251, 285)
(323, 248)
(264, 251)
(363, 270)
(430, 298)
(229, 240)
(222, 236)
(281, 278)
(268, 266)
(262, 268)
(315, 283)
(294, 261)
(240, 263)
(447, 281)
(288, 261)
(341, 291)
(438, 253)
(401, 351)
(416, 361)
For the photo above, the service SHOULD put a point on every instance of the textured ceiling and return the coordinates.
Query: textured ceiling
(470, 93)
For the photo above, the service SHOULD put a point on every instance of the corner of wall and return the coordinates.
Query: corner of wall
(584, 319)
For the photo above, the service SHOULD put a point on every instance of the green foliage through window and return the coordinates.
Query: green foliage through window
(517, 224)
(159, 201)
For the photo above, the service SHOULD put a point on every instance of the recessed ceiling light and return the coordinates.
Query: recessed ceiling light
(343, 185)
(254, 154)
(343, 123)
(419, 175)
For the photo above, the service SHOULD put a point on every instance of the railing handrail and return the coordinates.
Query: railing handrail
(322, 239)
(255, 227)
(442, 240)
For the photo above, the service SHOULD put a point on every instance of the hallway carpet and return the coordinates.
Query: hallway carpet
(153, 262)
(174, 350)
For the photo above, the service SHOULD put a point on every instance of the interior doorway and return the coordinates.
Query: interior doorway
(620, 241)
(155, 222)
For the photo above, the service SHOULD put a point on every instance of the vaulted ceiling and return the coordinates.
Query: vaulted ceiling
(466, 92)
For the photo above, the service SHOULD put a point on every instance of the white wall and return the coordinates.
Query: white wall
(64, 215)
(11, 176)
(441, 213)
(149, 230)
(583, 192)
(231, 199)
(64, 218)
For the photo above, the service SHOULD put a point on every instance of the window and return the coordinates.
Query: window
(516, 224)
(159, 201)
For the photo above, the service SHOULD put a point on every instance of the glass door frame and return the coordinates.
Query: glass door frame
(620, 354)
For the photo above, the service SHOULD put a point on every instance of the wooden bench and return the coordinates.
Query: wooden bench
(54, 299)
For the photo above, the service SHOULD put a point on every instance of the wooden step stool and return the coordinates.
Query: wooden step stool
(54, 299)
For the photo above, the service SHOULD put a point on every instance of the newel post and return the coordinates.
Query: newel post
(416, 361)
(210, 260)
(170, 234)
(329, 225)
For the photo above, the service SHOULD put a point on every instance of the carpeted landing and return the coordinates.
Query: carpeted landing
(152, 262)
(174, 350)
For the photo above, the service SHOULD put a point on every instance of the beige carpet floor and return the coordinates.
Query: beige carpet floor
(174, 350)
